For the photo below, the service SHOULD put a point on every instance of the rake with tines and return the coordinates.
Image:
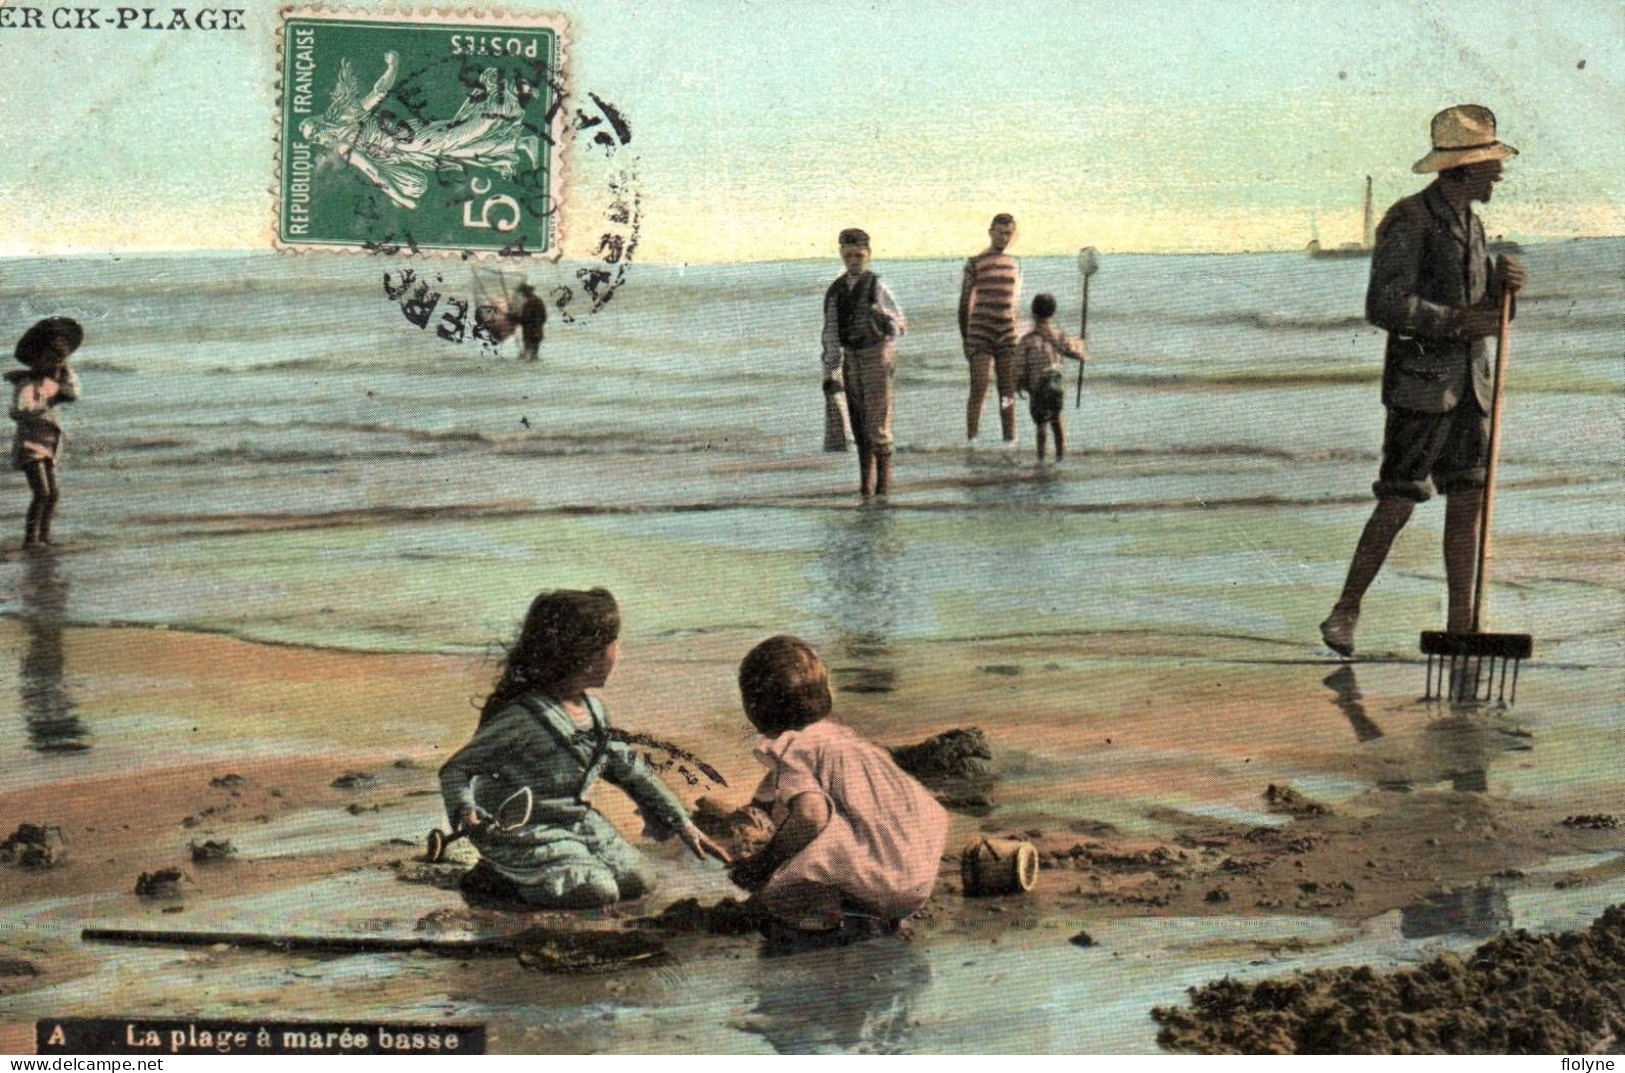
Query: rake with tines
(1473, 666)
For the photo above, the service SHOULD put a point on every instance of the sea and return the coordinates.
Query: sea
(267, 446)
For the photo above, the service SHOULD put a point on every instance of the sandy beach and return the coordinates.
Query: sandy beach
(1140, 771)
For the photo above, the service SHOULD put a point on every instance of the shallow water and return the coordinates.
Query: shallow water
(231, 395)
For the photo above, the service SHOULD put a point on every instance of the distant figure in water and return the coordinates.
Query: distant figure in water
(1038, 372)
(857, 840)
(544, 736)
(1435, 291)
(532, 316)
(861, 320)
(46, 383)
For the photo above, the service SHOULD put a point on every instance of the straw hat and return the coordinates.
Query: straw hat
(1463, 135)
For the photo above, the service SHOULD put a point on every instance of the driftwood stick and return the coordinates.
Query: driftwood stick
(327, 944)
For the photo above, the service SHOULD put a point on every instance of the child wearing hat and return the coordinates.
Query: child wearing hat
(44, 384)
(861, 320)
(1038, 372)
(857, 840)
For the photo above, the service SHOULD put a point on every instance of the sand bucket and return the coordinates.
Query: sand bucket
(998, 866)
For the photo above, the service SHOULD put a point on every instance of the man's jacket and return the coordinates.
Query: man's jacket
(1424, 267)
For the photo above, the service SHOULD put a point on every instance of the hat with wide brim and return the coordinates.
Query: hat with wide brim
(35, 347)
(1463, 135)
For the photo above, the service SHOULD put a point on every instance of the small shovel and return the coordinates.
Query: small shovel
(511, 815)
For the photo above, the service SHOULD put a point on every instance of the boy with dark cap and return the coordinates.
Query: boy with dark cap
(861, 319)
(1038, 372)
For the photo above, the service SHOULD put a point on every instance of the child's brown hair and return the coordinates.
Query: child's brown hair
(784, 685)
(564, 632)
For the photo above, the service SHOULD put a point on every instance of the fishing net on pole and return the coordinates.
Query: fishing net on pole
(493, 298)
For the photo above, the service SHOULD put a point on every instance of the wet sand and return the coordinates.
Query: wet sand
(1138, 765)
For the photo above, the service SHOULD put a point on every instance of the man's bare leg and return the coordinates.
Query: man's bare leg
(1387, 519)
(981, 371)
(1461, 521)
(1040, 427)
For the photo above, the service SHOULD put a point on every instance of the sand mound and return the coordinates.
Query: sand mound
(1516, 994)
(33, 845)
(727, 917)
(953, 754)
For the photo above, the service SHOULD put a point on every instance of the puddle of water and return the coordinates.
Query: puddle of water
(1029, 991)
(1233, 814)
(311, 832)
(1479, 912)
(1576, 862)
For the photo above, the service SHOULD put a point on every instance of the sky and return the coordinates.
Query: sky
(761, 129)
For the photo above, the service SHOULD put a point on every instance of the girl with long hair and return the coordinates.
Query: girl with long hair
(543, 740)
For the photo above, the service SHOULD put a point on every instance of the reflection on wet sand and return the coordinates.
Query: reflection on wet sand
(1476, 911)
(1343, 683)
(851, 999)
(857, 595)
(48, 706)
(1456, 747)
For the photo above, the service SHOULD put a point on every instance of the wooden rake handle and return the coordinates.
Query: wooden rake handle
(1486, 547)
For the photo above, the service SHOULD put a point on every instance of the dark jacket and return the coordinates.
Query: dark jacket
(532, 315)
(1424, 266)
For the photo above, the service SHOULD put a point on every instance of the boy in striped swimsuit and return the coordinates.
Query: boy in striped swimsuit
(988, 303)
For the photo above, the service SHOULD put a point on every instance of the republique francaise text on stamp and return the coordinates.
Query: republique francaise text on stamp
(421, 131)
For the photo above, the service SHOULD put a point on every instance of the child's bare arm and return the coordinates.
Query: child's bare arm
(888, 313)
(67, 385)
(27, 401)
(809, 814)
(965, 288)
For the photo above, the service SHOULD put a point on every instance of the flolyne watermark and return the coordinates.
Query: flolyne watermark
(113, 1035)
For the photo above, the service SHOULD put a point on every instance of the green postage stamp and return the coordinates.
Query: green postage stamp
(420, 132)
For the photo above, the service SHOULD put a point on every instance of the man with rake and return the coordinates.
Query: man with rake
(1435, 291)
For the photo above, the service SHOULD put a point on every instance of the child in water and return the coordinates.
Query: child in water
(856, 838)
(45, 384)
(541, 730)
(1038, 372)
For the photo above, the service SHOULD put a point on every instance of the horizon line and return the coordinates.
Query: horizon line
(228, 251)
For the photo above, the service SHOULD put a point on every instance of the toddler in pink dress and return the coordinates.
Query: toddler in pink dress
(854, 833)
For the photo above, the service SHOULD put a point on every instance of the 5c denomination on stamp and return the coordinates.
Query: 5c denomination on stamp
(421, 131)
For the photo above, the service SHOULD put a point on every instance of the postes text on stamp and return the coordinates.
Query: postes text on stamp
(420, 132)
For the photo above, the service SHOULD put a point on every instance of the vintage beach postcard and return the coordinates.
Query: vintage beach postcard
(727, 527)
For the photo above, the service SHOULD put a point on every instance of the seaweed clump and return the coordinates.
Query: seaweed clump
(1517, 994)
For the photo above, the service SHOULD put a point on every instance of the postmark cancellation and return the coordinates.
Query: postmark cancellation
(421, 131)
